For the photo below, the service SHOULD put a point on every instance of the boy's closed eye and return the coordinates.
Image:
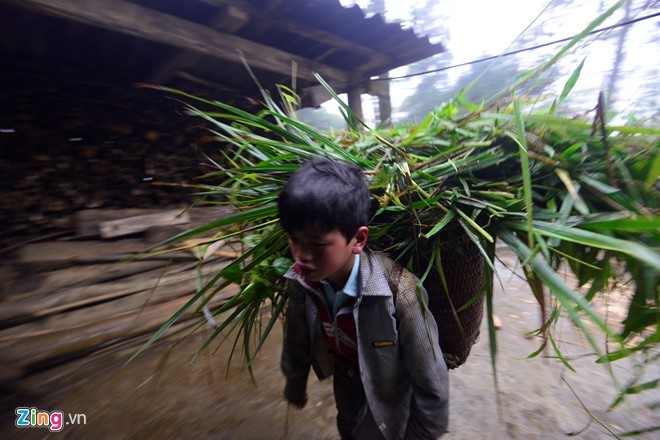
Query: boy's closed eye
(316, 244)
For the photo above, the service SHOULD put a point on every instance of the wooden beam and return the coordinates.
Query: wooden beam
(210, 84)
(373, 60)
(123, 17)
(272, 4)
(229, 20)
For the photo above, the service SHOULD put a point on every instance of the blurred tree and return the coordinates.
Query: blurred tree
(618, 56)
(428, 18)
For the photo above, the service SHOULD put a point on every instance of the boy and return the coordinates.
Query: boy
(390, 380)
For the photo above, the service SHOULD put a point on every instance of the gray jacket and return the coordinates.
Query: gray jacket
(403, 372)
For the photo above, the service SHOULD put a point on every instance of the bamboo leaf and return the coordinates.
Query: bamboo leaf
(349, 115)
(252, 215)
(570, 300)
(589, 238)
(654, 172)
(490, 312)
(472, 223)
(623, 222)
(570, 186)
(635, 389)
(521, 140)
(448, 217)
(571, 81)
(559, 354)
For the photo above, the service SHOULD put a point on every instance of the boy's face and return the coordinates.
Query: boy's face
(326, 255)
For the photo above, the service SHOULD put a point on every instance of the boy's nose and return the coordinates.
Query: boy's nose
(300, 253)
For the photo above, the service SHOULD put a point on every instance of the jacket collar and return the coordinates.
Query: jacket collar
(372, 280)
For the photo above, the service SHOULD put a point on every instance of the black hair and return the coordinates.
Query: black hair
(327, 193)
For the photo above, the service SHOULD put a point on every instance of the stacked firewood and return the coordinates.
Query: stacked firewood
(64, 149)
(65, 301)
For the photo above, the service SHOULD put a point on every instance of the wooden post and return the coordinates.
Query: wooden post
(355, 101)
(385, 102)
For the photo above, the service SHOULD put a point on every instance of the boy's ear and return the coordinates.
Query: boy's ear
(360, 239)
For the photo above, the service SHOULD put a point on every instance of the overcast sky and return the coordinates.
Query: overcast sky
(479, 28)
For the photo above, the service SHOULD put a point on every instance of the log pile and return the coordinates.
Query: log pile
(64, 301)
(70, 147)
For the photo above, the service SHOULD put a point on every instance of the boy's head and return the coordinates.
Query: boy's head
(325, 209)
(326, 194)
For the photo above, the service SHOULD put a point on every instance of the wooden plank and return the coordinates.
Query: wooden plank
(58, 346)
(140, 223)
(51, 281)
(99, 307)
(156, 285)
(77, 251)
(85, 368)
(141, 22)
(87, 220)
(95, 251)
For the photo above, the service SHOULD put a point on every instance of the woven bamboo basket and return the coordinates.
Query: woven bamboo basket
(458, 324)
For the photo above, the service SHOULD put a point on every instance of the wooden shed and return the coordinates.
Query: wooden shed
(76, 134)
(181, 43)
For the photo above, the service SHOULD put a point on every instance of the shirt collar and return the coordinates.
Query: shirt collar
(351, 286)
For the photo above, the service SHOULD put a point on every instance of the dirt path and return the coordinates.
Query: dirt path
(161, 395)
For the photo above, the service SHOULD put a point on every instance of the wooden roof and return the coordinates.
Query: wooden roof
(181, 43)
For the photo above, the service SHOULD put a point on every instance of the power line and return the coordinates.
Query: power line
(595, 31)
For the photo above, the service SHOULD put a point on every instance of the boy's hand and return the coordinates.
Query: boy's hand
(295, 395)
(300, 404)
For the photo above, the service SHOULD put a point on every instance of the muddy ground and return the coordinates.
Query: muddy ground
(162, 395)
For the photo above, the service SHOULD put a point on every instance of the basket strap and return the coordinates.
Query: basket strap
(393, 280)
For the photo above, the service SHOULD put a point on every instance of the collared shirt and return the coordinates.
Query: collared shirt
(336, 299)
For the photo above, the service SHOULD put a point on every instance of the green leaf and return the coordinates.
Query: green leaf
(349, 115)
(635, 389)
(571, 81)
(589, 238)
(623, 222)
(282, 266)
(643, 310)
(649, 342)
(274, 316)
(488, 272)
(572, 190)
(538, 351)
(654, 172)
(521, 140)
(571, 301)
(252, 215)
(559, 354)
(444, 221)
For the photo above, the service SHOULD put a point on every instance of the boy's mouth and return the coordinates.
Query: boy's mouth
(304, 270)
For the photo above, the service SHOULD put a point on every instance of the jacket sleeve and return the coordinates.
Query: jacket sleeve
(296, 352)
(422, 358)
